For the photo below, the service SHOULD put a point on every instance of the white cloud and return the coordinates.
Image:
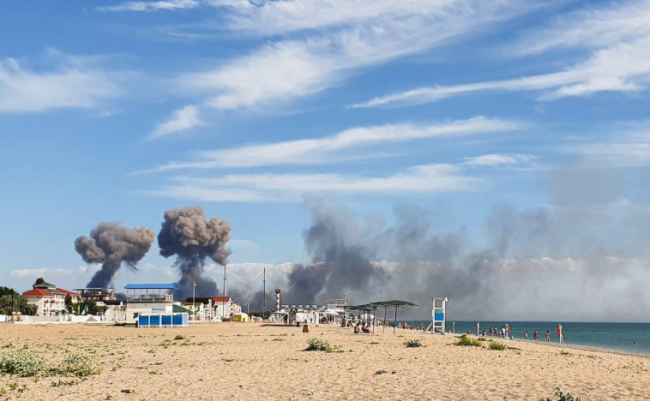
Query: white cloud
(622, 150)
(73, 82)
(493, 160)
(291, 187)
(333, 148)
(182, 119)
(381, 31)
(619, 61)
(151, 5)
(54, 273)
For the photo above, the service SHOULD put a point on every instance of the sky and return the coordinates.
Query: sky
(118, 111)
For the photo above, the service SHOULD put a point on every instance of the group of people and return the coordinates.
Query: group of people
(361, 328)
(559, 331)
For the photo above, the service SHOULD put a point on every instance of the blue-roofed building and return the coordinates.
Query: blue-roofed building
(149, 299)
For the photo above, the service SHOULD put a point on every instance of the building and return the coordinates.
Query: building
(50, 299)
(149, 299)
(99, 295)
(213, 308)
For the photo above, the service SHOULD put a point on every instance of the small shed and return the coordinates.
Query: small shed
(241, 318)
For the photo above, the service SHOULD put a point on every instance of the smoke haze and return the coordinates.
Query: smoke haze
(581, 257)
(112, 244)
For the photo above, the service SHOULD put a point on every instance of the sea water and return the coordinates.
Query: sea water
(628, 337)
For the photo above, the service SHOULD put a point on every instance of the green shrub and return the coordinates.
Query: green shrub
(24, 363)
(381, 372)
(497, 346)
(80, 365)
(316, 344)
(415, 343)
(179, 337)
(565, 353)
(464, 341)
(561, 396)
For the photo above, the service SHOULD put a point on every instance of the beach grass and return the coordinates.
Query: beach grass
(464, 341)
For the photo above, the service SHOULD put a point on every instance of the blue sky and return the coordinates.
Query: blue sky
(118, 111)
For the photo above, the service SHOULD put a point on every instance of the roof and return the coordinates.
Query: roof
(66, 292)
(204, 300)
(180, 309)
(151, 287)
(37, 293)
(381, 304)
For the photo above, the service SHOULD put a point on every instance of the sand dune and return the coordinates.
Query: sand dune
(255, 362)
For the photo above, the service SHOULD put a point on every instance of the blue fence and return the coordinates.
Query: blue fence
(163, 320)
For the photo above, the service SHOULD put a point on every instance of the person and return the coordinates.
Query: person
(507, 331)
(357, 328)
(526, 335)
(484, 332)
(536, 335)
(560, 334)
(548, 336)
(478, 329)
(366, 328)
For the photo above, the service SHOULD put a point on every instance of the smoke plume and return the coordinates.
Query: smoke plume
(112, 244)
(582, 256)
(187, 234)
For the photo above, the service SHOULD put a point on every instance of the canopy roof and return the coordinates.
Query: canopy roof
(151, 287)
(381, 304)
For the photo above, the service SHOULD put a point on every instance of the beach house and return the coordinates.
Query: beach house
(213, 308)
(149, 299)
(49, 299)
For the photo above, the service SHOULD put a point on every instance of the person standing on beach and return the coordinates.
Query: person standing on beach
(548, 336)
(507, 331)
(536, 335)
(526, 335)
(560, 334)
(478, 329)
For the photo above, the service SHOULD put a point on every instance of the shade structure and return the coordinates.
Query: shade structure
(372, 306)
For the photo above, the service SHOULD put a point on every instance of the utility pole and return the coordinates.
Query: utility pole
(224, 293)
(194, 303)
(264, 291)
(12, 306)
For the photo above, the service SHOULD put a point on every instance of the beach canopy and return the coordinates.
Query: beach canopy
(383, 304)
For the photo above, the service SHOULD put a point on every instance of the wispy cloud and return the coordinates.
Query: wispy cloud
(338, 44)
(72, 82)
(619, 62)
(337, 147)
(628, 149)
(57, 273)
(291, 187)
(494, 159)
(151, 5)
(182, 119)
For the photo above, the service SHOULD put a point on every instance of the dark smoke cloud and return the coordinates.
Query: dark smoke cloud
(112, 244)
(187, 234)
(582, 256)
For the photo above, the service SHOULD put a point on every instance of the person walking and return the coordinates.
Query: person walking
(526, 335)
(548, 336)
(535, 335)
(560, 333)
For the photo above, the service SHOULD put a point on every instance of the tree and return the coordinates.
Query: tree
(20, 303)
(39, 281)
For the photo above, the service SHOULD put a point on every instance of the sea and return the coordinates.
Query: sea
(627, 337)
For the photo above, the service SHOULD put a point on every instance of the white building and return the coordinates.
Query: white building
(49, 299)
(213, 308)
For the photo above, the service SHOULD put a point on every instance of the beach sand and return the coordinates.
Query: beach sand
(231, 361)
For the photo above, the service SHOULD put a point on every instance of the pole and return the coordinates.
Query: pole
(12, 306)
(223, 303)
(385, 313)
(264, 291)
(193, 303)
(395, 324)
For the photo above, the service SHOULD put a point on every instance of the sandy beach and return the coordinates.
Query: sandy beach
(262, 362)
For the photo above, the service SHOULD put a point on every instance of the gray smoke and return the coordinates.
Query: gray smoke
(582, 256)
(187, 234)
(112, 244)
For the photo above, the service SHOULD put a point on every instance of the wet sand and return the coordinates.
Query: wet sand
(231, 361)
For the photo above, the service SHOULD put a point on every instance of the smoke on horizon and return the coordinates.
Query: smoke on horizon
(187, 234)
(581, 257)
(112, 244)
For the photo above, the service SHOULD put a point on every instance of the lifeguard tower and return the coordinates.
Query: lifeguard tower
(438, 315)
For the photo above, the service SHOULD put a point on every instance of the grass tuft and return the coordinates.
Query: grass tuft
(497, 346)
(316, 344)
(464, 341)
(23, 363)
(80, 365)
(414, 343)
